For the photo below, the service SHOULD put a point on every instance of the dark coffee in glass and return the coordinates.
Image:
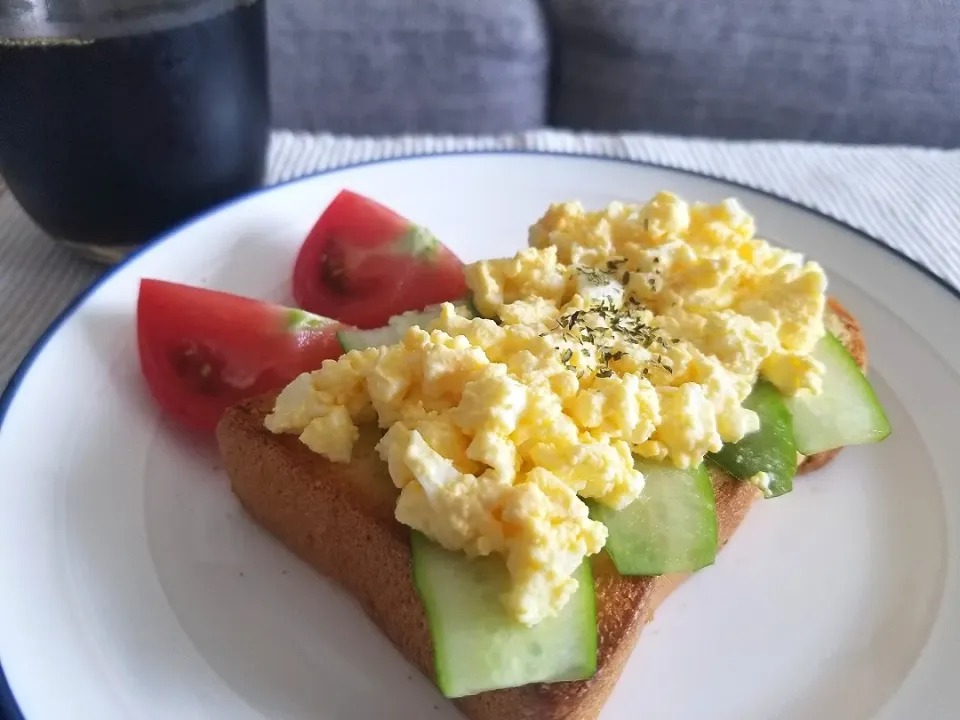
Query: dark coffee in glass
(121, 118)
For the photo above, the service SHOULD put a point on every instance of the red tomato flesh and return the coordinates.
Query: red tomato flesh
(362, 263)
(202, 351)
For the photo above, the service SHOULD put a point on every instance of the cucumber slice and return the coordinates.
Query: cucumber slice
(470, 307)
(477, 645)
(847, 412)
(770, 450)
(395, 328)
(671, 527)
(362, 339)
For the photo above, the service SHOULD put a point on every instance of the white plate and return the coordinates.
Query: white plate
(134, 587)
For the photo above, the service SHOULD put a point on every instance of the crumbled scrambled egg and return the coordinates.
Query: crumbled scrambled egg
(636, 330)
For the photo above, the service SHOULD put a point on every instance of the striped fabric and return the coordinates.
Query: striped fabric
(907, 197)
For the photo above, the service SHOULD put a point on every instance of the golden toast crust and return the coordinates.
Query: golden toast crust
(339, 519)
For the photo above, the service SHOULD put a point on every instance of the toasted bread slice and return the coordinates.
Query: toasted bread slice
(339, 519)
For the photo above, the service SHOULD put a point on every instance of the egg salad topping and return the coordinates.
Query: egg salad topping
(636, 330)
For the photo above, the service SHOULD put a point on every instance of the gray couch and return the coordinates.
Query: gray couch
(856, 71)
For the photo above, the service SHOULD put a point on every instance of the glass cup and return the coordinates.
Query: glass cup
(122, 118)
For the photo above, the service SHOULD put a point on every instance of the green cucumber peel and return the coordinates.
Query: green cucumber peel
(770, 450)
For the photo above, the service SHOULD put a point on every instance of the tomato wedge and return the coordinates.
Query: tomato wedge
(362, 263)
(202, 350)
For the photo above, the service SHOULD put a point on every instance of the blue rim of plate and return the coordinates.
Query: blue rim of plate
(9, 709)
